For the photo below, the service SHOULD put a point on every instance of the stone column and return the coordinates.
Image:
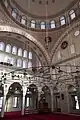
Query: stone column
(68, 101)
(4, 101)
(52, 108)
(23, 100)
(3, 106)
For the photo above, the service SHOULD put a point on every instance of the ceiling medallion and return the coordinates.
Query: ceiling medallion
(48, 39)
(77, 33)
(64, 44)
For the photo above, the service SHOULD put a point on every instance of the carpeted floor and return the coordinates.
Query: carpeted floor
(49, 116)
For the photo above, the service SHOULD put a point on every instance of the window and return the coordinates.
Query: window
(14, 50)
(72, 49)
(42, 25)
(52, 24)
(59, 55)
(72, 14)
(23, 20)
(29, 64)
(15, 101)
(19, 52)
(25, 53)
(33, 25)
(62, 20)
(77, 102)
(30, 55)
(8, 48)
(1, 99)
(24, 63)
(7, 59)
(27, 103)
(13, 61)
(54, 73)
(19, 63)
(2, 45)
(68, 68)
(14, 13)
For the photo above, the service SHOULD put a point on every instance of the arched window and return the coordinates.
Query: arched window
(25, 53)
(1, 58)
(19, 63)
(2, 45)
(42, 25)
(23, 20)
(14, 13)
(29, 64)
(72, 14)
(33, 24)
(7, 59)
(30, 55)
(72, 49)
(24, 63)
(62, 20)
(8, 48)
(59, 55)
(19, 52)
(13, 61)
(14, 50)
(52, 23)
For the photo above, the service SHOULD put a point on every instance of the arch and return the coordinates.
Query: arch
(25, 53)
(46, 89)
(24, 63)
(71, 88)
(72, 14)
(16, 84)
(7, 28)
(14, 97)
(29, 64)
(19, 52)
(19, 62)
(31, 98)
(14, 50)
(23, 20)
(46, 96)
(14, 13)
(33, 86)
(52, 24)
(62, 20)
(73, 97)
(30, 55)
(33, 24)
(2, 46)
(7, 59)
(43, 25)
(59, 41)
(8, 48)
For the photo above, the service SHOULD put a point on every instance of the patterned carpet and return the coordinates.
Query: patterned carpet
(49, 116)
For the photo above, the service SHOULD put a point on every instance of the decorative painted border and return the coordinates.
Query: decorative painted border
(59, 41)
(28, 36)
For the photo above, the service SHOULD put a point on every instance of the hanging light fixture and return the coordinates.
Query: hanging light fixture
(48, 39)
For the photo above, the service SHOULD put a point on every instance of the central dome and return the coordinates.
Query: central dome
(41, 8)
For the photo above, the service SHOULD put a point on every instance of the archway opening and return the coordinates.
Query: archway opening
(31, 99)
(14, 99)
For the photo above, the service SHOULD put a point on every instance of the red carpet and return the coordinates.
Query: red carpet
(50, 116)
